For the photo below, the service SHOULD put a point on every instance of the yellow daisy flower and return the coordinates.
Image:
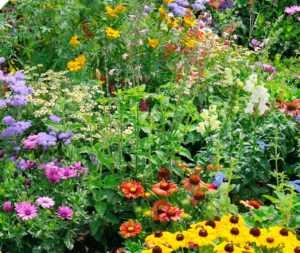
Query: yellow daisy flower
(226, 247)
(179, 240)
(271, 242)
(232, 221)
(203, 236)
(282, 234)
(257, 235)
(236, 235)
(158, 249)
(292, 248)
(157, 238)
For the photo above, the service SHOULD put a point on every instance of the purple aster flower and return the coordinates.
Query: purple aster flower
(78, 167)
(2, 59)
(7, 207)
(298, 18)
(45, 202)
(26, 211)
(55, 118)
(64, 212)
(66, 172)
(8, 120)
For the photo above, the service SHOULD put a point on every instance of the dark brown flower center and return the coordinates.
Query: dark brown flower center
(255, 231)
(246, 247)
(157, 249)
(297, 250)
(210, 223)
(199, 226)
(199, 195)
(234, 231)
(270, 240)
(194, 179)
(234, 219)
(229, 248)
(217, 218)
(284, 232)
(179, 237)
(291, 106)
(203, 233)
(158, 234)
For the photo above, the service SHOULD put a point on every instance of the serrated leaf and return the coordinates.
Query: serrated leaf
(54, 125)
(101, 208)
(84, 149)
(109, 217)
(94, 226)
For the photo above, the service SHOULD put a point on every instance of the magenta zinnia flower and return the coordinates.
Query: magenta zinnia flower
(26, 211)
(45, 202)
(7, 207)
(66, 172)
(64, 212)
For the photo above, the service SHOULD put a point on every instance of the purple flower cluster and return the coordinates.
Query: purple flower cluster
(176, 9)
(8, 120)
(66, 137)
(199, 4)
(2, 59)
(19, 163)
(292, 10)
(15, 128)
(20, 93)
(55, 118)
(55, 173)
(46, 140)
(182, 2)
(226, 5)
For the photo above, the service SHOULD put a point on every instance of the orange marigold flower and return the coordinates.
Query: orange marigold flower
(132, 189)
(171, 213)
(252, 204)
(130, 228)
(210, 166)
(164, 188)
(163, 173)
(157, 208)
(198, 195)
(192, 182)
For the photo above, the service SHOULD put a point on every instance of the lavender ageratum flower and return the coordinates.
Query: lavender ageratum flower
(179, 11)
(55, 118)
(7, 207)
(18, 100)
(46, 140)
(182, 2)
(16, 149)
(218, 179)
(19, 75)
(172, 5)
(262, 144)
(94, 158)
(8, 120)
(26, 211)
(45, 202)
(198, 6)
(16, 128)
(148, 9)
(2, 59)
(294, 184)
(2, 104)
(64, 212)
(66, 137)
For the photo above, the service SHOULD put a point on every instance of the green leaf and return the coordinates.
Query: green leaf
(68, 241)
(73, 126)
(250, 222)
(109, 182)
(84, 149)
(94, 226)
(295, 221)
(99, 233)
(185, 152)
(101, 208)
(259, 213)
(54, 125)
(109, 217)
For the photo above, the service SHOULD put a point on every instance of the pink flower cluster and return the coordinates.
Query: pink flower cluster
(31, 141)
(292, 10)
(54, 173)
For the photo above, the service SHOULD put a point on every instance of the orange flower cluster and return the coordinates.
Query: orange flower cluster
(164, 211)
(132, 189)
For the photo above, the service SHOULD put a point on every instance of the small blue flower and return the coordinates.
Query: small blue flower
(294, 184)
(210, 158)
(298, 118)
(218, 179)
(262, 144)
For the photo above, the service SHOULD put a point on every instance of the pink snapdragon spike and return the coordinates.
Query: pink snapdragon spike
(31, 141)
(45, 202)
(26, 211)
(64, 213)
(66, 172)
(52, 173)
(7, 207)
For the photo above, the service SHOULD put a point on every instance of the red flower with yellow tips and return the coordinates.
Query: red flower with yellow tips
(164, 188)
(130, 228)
(132, 189)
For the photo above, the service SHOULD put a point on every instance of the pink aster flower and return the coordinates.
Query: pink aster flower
(78, 167)
(45, 202)
(7, 207)
(296, 75)
(52, 173)
(66, 172)
(64, 212)
(31, 141)
(26, 211)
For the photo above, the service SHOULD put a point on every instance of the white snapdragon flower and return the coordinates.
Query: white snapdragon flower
(204, 114)
(249, 108)
(201, 128)
(259, 93)
(212, 108)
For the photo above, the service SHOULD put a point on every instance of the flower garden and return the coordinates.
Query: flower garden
(150, 126)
